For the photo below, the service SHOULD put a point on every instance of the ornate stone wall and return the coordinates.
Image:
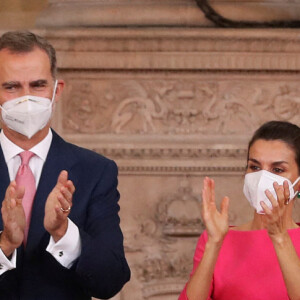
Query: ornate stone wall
(172, 106)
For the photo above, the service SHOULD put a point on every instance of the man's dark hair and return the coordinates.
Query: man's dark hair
(26, 41)
(278, 130)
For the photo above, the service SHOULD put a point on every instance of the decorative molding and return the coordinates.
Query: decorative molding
(180, 170)
(178, 40)
(163, 153)
(191, 61)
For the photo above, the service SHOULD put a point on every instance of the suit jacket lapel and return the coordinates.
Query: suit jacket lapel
(58, 159)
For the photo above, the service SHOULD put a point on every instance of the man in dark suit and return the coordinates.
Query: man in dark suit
(60, 236)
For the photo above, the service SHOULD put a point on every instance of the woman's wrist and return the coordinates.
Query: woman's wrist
(214, 243)
(279, 238)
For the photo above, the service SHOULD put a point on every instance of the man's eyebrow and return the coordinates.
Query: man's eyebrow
(38, 82)
(10, 84)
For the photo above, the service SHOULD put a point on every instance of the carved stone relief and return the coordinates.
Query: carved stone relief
(174, 106)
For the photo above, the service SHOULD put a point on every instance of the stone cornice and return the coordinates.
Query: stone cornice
(180, 170)
(189, 49)
(176, 49)
(180, 161)
(171, 153)
(184, 61)
(175, 33)
(161, 156)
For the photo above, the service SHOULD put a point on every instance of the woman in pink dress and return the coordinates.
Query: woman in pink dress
(258, 260)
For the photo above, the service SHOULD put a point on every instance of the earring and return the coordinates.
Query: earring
(298, 195)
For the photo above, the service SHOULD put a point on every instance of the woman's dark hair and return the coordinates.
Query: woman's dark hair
(279, 130)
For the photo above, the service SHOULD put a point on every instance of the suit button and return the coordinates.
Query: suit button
(61, 253)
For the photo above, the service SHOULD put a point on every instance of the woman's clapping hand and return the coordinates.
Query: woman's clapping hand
(216, 222)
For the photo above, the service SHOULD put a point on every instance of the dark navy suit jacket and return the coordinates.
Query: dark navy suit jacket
(101, 270)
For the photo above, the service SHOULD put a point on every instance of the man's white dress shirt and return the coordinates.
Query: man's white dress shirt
(68, 248)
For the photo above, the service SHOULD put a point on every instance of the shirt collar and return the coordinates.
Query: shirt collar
(10, 149)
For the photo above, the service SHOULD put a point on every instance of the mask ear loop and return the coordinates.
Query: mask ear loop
(54, 92)
(296, 192)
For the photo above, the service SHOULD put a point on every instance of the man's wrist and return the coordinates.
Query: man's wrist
(60, 232)
(6, 246)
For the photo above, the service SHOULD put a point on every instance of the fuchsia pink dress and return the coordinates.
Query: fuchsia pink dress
(247, 267)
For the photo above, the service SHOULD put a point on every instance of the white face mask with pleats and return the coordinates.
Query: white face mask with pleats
(28, 114)
(256, 183)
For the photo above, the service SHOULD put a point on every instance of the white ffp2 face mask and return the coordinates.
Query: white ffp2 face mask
(28, 114)
(256, 183)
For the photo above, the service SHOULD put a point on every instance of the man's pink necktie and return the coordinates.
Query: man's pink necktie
(25, 178)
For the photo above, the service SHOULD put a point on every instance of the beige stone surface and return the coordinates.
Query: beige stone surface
(75, 13)
(20, 14)
(16, 14)
(257, 10)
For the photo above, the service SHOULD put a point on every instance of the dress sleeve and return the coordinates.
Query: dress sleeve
(197, 258)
